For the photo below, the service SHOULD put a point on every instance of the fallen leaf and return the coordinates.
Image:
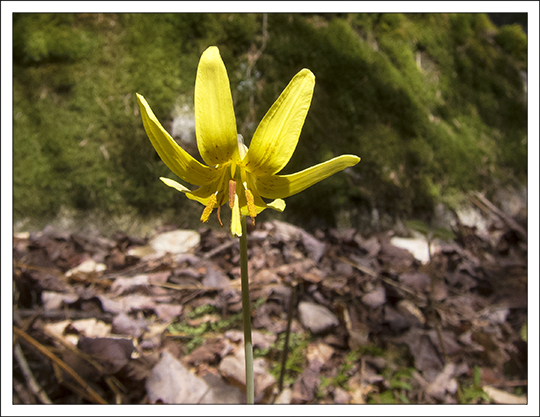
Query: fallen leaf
(177, 241)
(416, 280)
(316, 318)
(305, 387)
(88, 268)
(375, 298)
(502, 397)
(416, 246)
(233, 369)
(210, 352)
(341, 396)
(320, 351)
(411, 312)
(112, 353)
(53, 300)
(124, 324)
(171, 383)
(123, 285)
(215, 279)
(284, 397)
(425, 355)
(92, 327)
(220, 392)
(443, 383)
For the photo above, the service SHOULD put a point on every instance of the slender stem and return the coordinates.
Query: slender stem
(246, 310)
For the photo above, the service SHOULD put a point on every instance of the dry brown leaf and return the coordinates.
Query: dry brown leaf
(502, 397)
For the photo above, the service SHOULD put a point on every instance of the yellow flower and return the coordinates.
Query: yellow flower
(234, 174)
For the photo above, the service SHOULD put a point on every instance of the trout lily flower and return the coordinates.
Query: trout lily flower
(233, 173)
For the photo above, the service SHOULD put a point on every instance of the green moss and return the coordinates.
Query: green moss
(433, 103)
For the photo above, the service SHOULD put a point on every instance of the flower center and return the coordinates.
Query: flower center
(238, 195)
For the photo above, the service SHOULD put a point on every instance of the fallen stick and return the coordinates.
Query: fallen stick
(34, 386)
(511, 223)
(89, 391)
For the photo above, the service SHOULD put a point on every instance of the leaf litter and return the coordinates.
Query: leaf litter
(157, 320)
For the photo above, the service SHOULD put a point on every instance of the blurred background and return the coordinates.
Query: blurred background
(434, 104)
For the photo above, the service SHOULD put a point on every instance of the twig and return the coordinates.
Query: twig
(364, 269)
(287, 334)
(24, 395)
(219, 249)
(42, 349)
(511, 223)
(30, 380)
(62, 314)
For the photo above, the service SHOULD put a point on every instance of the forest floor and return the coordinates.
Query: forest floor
(126, 320)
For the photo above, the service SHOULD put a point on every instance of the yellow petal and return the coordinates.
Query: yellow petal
(277, 135)
(178, 160)
(281, 186)
(201, 194)
(260, 205)
(215, 123)
(278, 205)
(174, 184)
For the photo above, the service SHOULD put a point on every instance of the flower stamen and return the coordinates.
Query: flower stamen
(209, 207)
(250, 201)
(232, 192)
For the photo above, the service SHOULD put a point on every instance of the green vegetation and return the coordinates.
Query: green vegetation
(433, 103)
(296, 359)
(214, 326)
(343, 374)
(473, 393)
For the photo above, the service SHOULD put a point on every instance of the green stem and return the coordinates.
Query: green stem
(246, 310)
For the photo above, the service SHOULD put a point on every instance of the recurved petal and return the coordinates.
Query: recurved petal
(215, 123)
(174, 184)
(178, 160)
(277, 135)
(281, 186)
(201, 194)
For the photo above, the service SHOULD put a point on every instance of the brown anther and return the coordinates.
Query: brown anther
(232, 192)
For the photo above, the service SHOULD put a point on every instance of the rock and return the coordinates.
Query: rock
(316, 318)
